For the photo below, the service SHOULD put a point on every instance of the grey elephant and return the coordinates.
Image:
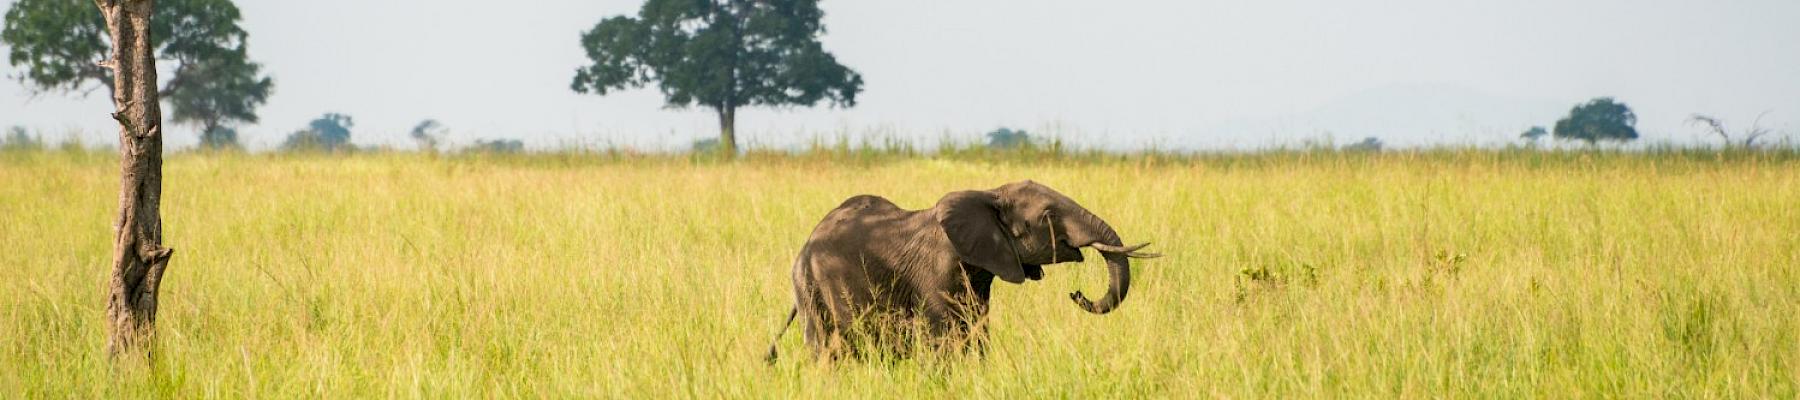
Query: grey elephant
(873, 274)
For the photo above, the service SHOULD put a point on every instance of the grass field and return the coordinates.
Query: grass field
(1403, 274)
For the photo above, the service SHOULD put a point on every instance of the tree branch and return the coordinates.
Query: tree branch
(157, 258)
(178, 78)
(123, 121)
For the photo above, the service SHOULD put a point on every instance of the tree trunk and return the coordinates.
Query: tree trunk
(138, 255)
(207, 139)
(727, 126)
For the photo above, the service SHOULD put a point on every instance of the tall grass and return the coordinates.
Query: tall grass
(1454, 273)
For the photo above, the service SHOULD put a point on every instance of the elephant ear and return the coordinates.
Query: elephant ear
(972, 220)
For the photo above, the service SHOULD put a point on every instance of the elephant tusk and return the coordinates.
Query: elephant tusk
(1143, 255)
(1128, 251)
(1119, 249)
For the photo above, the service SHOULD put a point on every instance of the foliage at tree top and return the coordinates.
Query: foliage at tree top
(1006, 138)
(1598, 119)
(1534, 133)
(497, 146)
(230, 92)
(329, 132)
(718, 54)
(59, 45)
(427, 133)
(1367, 144)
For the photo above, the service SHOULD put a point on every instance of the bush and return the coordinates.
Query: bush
(19, 139)
(498, 146)
(1367, 144)
(330, 132)
(1004, 138)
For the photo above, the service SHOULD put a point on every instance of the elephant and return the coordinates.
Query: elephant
(872, 273)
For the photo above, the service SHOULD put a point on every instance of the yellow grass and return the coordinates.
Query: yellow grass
(1460, 274)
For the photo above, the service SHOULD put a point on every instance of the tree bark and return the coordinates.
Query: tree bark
(139, 258)
(727, 126)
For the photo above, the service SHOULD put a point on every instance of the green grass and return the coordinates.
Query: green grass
(1453, 273)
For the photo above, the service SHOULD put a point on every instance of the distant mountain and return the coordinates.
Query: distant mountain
(1401, 116)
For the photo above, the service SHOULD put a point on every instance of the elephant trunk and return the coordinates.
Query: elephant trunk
(1118, 267)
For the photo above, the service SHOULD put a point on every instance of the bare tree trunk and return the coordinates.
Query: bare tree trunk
(727, 126)
(138, 255)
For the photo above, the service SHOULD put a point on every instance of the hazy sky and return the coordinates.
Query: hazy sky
(1188, 73)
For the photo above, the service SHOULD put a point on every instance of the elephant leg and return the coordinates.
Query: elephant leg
(842, 300)
(942, 320)
(953, 319)
(812, 316)
(968, 325)
(838, 330)
(977, 341)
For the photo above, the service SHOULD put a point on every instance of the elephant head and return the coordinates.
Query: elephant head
(1013, 230)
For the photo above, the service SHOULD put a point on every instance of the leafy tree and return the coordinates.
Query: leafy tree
(1367, 144)
(332, 128)
(498, 146)
(62, 46)
(1598, 119)
(1005, 138)
(229, 94)
(719, 54)
(1534, 133)
(18, 138)
(428, 133)
(329, 132)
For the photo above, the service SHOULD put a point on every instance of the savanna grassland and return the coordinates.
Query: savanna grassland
(1402, 274)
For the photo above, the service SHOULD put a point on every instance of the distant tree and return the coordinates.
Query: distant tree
(427, 133)
(19, 138)
(329, 132)
(707, 145)
(1717, 127)
(498, 146)
(1367, 144)
(1598, 119)
(1534, 133)
(62, 46)
(719, 54)
(1006, 138)
(230, 94)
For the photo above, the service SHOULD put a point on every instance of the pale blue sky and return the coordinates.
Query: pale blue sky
(1184, 73)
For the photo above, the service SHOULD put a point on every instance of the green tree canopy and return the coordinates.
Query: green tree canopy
(497, 146)
(329, 132)
(1534, 133)
(1006, 138)
(1367, 144)
(719, 54)
(59, 46)
(427, 133)
(1598, 119)
(229, 93)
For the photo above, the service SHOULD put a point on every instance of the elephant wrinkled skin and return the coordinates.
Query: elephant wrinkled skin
(875, 274)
